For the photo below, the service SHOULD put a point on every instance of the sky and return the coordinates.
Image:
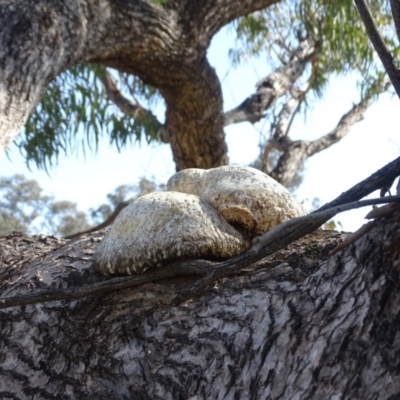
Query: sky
(371, 144)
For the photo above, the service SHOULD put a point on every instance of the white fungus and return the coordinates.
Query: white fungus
(242, 195)
(162, 227)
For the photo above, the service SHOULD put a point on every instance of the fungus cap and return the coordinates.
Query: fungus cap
(161, 227)
(242, 195)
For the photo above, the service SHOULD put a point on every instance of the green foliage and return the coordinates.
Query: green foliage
(75, 112)
(332, 225)
(342, 43)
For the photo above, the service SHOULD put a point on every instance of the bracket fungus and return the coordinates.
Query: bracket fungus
(204, 214)
(244, 196)
(161, 227)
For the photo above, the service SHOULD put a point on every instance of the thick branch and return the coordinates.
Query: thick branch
(263, 246)
(272, 87)
(209, 16)
(300, 324)
(41, 39)
(379, 45)
(289, 162)
(280, 139)
(154, 42)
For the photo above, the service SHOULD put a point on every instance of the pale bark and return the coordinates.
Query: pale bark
(272, 87)
(297, 325)
(295, 152)
(282, 82)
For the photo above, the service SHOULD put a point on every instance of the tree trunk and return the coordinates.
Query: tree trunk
(300, 324)
(194, 121)
(165, 45)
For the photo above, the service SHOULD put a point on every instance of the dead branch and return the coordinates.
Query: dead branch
(375, 214)
(272, 87)
(104, 224)
(367, 186)
(381, 212)
(352, 237)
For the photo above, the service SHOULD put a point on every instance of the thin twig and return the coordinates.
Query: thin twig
(104, 224)
(379, 44)
(375, 182)
(352, 237)
(134, 109)
(272, 241)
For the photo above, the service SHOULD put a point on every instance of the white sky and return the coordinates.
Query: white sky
(371, 144)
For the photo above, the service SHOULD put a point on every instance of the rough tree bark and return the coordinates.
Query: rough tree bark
(164, 45)
(300, 325)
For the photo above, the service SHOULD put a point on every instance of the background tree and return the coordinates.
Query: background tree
(24, 207)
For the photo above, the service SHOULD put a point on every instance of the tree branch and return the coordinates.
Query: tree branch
(296, 152)
(263, 246)
(280, 139)
(128, 107)
(395, 6)
(375, 182)
(104, 224)
(378, 43)
(353, 116)
(272, 87)
(222, 12)
(42, 39)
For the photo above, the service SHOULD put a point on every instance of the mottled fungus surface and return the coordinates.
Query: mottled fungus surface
(195, 218)
(244, 196)
(162, 227)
